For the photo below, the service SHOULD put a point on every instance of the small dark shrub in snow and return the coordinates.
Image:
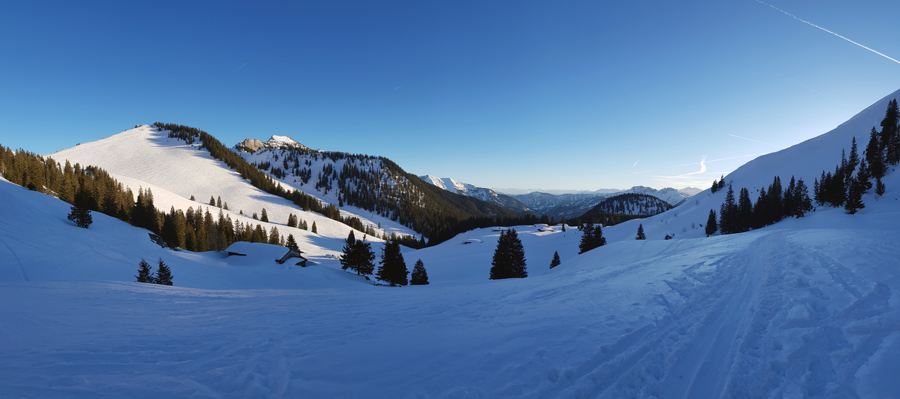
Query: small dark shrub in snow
(145, 273)
(555, 262)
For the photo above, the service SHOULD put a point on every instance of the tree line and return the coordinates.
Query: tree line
(92, 189)
(844, 187)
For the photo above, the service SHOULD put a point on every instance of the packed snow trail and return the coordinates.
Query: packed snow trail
(16, 257)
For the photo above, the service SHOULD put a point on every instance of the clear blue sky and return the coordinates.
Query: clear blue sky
(518, 94)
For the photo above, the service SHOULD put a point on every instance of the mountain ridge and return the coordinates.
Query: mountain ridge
(567, 205)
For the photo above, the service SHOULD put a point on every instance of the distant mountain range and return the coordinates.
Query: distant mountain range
(557, 205)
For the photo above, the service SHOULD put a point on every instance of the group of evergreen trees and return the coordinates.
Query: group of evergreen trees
(91, 189)
(358, 256)
(771, 206)
(853, 176)
(255, 176)
(294, 221)
(145, 273)
(844, 188)
(591, 237)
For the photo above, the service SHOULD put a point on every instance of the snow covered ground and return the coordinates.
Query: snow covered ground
(805, 308)
(808, 307)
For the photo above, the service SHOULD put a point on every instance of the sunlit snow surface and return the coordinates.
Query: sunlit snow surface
(806, 308)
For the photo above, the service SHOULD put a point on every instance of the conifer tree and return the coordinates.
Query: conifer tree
(790, 206)
(393, 268)
(728, 213)
(264, 217)
(760, 210)
(145, 274)
(313, 229)
(816, 188)
(853, 161)
(744, 211)
(889, 142)
(291, 243)
(555, 262)
(169, 233)
(80, 213)
(587, 237)
(365, 259)
(592, 237)
(212, 201)
(419, 276)
(879, 187)
(801, 198)
(274, 236)
(163, 274)
(640, 233)
(357, 256)
(711, 226)
(776, 201)
(854, 197)
(509, 257)
(874, 156)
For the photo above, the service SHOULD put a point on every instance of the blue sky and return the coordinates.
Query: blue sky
(519, 94)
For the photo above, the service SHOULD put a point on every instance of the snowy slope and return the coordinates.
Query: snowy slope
(175, 171)
(805, 160)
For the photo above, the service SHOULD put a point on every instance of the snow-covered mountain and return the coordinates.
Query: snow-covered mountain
(808, 307)
(631, 204)
(252, 145)
(372, 184)
(576, 204)
(175, 171)
(484, 194)
(567, 205)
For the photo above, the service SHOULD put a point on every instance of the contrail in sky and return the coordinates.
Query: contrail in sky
(239, 68)
(701, 163)
(811, 89)
(702, 169)
(826, 30)
(756, 141)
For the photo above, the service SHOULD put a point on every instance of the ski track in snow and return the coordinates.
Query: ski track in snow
(18, 261)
